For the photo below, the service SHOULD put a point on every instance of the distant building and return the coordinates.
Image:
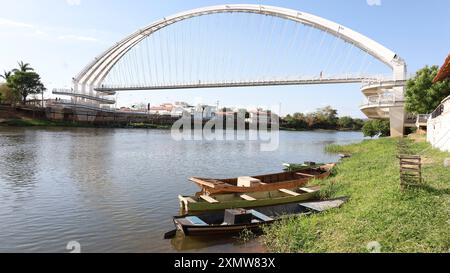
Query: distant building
(262, 116)
(206, 111)
(162, 110)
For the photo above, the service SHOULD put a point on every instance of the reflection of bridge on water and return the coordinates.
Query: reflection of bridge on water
(246, 46)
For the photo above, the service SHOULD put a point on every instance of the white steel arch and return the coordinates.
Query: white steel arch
(93, 75)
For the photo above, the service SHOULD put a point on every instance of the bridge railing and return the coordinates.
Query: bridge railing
(71, 92)
(422, 119)
(289, 80)
(384, 99)
(85, 105)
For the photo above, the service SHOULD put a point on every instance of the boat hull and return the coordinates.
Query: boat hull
(212, 223)
(193, 207)
(223, 186)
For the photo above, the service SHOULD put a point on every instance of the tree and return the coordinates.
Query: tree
(6, 75)
(345, 123)
(23, 67)
(327, 117)
(8, 95)
(422, 95)
(374, 128)
(26, 83)
(369, 129)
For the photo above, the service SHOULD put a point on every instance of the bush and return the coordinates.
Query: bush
(373, 128)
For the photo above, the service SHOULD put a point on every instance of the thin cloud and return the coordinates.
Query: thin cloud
(78, 38)
(10, 23)
(374, 2)
(73, 2)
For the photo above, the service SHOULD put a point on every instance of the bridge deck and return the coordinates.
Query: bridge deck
(238, 84)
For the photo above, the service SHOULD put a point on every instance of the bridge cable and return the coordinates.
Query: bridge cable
(304, 44)
(345, 69)
(150, 61)
(363, 64)
(290, 47)
(245, 60)
(260, 41)
(141, 56)
(319, 48)
(169, 57)
(330, 59)
(161, 57)
(229, 56)
(269, 47)
(341, 55)
(279, 52)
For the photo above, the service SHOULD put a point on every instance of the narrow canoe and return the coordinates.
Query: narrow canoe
(269, 182)
(202, 203)
(291, 167)
(212, 223)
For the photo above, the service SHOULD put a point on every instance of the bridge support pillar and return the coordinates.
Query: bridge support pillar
(397, 119)
(397, 115)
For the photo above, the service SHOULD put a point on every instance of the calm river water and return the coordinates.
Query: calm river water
(115, 190)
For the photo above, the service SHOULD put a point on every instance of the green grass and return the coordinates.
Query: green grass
(26, 122)
(414, 220)
(149, 126)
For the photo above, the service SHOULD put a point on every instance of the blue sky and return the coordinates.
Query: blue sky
(59, 37)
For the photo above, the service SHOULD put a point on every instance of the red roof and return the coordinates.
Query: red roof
(444, 73)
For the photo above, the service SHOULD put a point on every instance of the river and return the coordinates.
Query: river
(115, 190)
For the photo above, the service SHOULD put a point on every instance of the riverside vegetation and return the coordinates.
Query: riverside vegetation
(414, 220)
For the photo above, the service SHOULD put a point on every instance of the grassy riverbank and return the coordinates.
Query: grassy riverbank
(415, 220)
(27, 122)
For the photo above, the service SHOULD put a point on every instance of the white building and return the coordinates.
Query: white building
(206, 111)
(438, 130)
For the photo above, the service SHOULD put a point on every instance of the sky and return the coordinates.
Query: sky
(59, 37)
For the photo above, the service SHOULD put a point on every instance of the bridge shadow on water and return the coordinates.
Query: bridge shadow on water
(216, 244)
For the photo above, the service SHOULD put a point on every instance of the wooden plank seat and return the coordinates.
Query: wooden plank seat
(190, 200)
(289, 192)
(247, 197)
(209, 199)
(308, 190)
(196, 221)
(261, 216)
(305, 174)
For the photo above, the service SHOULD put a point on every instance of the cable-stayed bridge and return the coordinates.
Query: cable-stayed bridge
(244, 46)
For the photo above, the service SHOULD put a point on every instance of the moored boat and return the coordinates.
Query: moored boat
(292, 167)
(203, 202)
(236, 220)
(269, 182)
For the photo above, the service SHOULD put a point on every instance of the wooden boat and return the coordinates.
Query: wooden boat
(235, 221)
(259, 183)
(294, 167)
(203, 202)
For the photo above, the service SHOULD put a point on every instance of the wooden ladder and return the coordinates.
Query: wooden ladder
(410, 170)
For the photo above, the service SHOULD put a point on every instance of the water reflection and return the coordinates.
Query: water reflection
(216, 244)
(116, 190)
(18, 161)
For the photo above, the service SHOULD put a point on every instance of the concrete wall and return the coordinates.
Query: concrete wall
(438, 132)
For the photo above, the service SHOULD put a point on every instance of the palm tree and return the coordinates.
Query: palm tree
(6, 75)
(23, 67)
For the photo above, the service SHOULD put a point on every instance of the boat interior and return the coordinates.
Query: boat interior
(275, 178)
(260, 215)
(254, 196)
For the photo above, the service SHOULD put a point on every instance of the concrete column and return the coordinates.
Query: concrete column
(397, 115)
(397, 119)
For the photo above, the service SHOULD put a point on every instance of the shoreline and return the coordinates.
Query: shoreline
(378, 210)
(28, 122)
